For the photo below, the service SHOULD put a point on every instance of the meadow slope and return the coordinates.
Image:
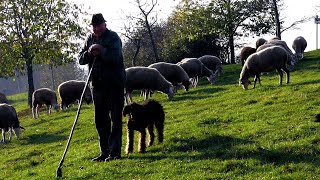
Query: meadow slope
(211, 132)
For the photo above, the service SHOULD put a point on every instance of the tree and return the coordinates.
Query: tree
(37, 31)
(233, 18)
(146, 9)
(277, 6)
(190, 32)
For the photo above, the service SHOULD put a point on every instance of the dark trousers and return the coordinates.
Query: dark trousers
(108, 102)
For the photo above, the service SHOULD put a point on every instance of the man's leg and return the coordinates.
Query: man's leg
(102, 121)
(115, 140)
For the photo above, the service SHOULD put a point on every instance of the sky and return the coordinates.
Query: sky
(115, 11)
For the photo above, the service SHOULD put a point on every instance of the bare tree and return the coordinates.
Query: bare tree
(146, 8)
(134, 35)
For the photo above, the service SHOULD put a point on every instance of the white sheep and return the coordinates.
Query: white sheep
(44, 96)
(139, 78)
(299, 45)
(213, 63)
(195, 68)
(292, 58)
(9, 121)
(70, 92)
(266, 60)
(173, 73)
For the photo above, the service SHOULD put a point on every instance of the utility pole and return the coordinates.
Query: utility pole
(317, 21)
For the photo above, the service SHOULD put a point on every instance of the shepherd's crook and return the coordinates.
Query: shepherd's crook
(59, 171)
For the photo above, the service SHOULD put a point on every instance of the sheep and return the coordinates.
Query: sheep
(3, 98)
(195, 68)
(266, 60)
(299, 45)
(259, 42)
(245, 53)
(292, 57)
(140, 77)
(44, 96)
(149, 114)
(71, 91)
(213, 63)
(173, 73)
(9, 121)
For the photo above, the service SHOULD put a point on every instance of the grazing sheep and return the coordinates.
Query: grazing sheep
(213, 63)
(3, 98)
(245, 53)
(9, 121)
(195, 68)
(139, 78)
(299, 45)
(266, 60)
(44, 96)
(150, 114)
(173, 73)
(259, 42)
(71, 91)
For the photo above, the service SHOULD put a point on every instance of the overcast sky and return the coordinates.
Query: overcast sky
(114, 12)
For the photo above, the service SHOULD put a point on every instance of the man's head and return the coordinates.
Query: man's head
(98, 24)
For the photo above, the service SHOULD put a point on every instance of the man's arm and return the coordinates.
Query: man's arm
(84, 55)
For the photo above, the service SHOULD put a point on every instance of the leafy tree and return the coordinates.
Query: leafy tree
(190, 32)
(234, 18)
(38, 32)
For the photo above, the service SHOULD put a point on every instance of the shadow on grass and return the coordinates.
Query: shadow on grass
(228, 148)
(44, 138)
(308, 82)
(195, 94)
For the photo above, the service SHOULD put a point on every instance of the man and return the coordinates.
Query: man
(103, 53)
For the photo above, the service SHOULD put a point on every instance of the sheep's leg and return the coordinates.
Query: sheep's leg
(33, 112)
(142, 141)
(287, 73)
(10, 133)
(258, 78)
(255, 81)
(130, 141)
(3, 140)
(151, 134)
(196, 81)
(146, 94)
(280, 75)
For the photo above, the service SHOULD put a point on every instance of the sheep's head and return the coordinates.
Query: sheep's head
(186, 84)
(212, 78)
(170, 92)
(17, 131)
(56, 107)
(245, 83)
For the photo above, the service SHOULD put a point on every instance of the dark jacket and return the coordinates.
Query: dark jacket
(108, 68)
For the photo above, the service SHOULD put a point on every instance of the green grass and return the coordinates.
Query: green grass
(211, 132)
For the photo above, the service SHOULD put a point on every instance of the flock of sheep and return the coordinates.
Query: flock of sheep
(167, 78)
(270, 55)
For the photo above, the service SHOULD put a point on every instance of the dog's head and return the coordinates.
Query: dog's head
(133, 110)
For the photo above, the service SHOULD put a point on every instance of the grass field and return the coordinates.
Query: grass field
(211, 132)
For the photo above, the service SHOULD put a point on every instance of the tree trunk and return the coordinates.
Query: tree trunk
(278, 28)
(231, 45)
(135, 56)
(30, 80)
(152, 41)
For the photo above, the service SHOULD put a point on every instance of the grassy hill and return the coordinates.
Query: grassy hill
(211, 132)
